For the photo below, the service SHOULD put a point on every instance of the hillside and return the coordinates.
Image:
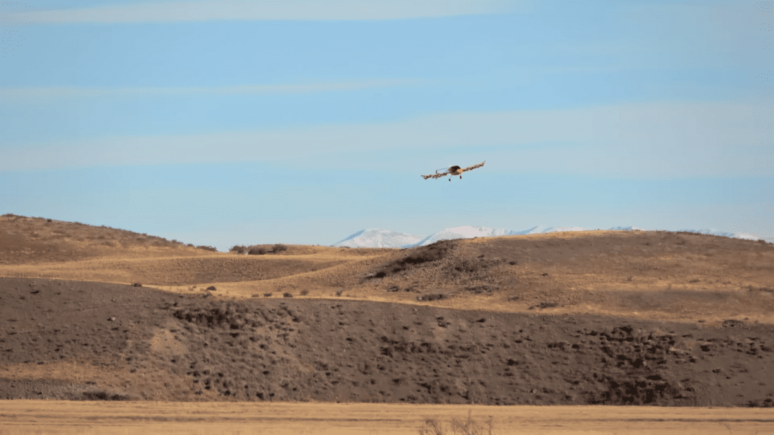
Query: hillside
(97, 341)
(592, 317)
(29, 240)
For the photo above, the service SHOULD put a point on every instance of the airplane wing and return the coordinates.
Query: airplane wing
(434, 175)
(470, 168)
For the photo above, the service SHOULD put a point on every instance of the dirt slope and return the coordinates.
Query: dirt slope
(72, 340)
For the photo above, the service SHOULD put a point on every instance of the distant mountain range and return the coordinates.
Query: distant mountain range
(376, 238)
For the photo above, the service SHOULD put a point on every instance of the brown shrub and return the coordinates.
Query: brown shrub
(239, 249)
(468, 426)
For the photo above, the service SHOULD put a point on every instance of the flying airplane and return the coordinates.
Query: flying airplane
(454, 170)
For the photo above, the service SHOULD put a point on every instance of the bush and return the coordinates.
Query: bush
(261, 250)
(207, 248)
(239, 249)
(279, 247)
(458, 427)
(432, 427)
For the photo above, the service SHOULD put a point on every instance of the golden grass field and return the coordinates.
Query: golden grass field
(26, 417)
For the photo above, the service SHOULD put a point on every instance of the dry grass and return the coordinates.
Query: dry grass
(645, 274)
(468, 426)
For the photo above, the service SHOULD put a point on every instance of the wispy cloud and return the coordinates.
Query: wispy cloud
(637, 140)
(267, 10)
(76, 92)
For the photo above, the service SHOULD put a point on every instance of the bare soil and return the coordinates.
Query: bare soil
(150, 344)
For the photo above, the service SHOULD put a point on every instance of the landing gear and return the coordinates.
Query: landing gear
(449, 179)
(460, 177)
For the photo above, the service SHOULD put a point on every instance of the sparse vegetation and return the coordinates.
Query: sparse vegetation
(469, 426)
(544, 305)
(262, 250)
(239, 249)
(432, 427)
(426, 254)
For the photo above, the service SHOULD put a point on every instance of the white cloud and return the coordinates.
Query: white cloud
(47, 93)
(267, 10)
(634, 140)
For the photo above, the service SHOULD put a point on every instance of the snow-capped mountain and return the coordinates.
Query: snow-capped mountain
(375, 238)
(468, 232)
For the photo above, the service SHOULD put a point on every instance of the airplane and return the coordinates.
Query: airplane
(453, 170)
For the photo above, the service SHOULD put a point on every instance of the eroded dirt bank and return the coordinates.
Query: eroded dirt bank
(79, 340)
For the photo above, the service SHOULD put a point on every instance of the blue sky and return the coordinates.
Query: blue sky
(300, 121)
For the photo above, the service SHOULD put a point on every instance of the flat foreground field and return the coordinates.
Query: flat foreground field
(67, 417)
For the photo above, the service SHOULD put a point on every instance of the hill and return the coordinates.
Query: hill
(605, 317)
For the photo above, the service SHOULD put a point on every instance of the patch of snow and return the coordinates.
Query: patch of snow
(468, 232)
(562, 229)
(376, 238)
(744, 236)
